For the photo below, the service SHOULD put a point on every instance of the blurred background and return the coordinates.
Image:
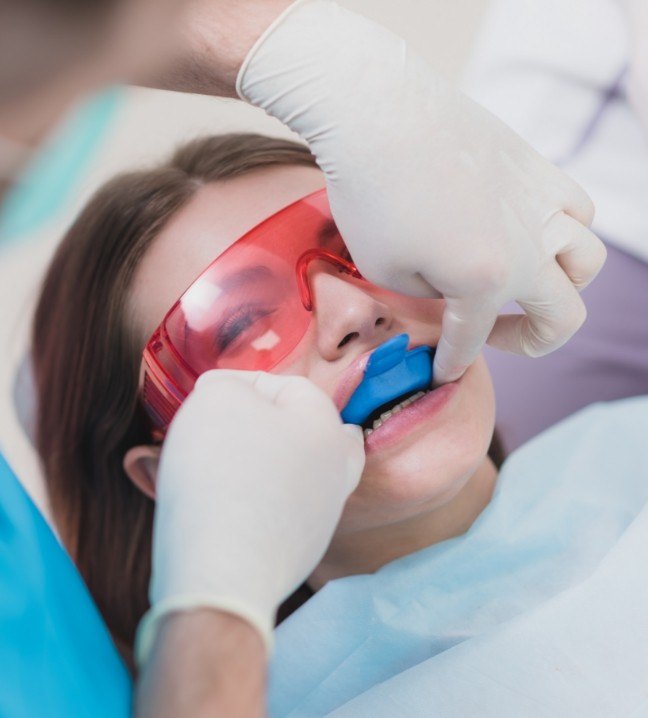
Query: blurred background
(146, 125)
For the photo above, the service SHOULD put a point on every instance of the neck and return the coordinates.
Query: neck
(366, 551)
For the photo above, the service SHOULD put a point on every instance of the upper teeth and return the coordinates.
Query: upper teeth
(394, 410)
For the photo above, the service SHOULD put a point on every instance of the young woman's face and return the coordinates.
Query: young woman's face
(419, 459)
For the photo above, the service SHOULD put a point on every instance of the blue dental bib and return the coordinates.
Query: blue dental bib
(391, 371)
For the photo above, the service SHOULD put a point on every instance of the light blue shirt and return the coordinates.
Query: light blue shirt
(540, 609)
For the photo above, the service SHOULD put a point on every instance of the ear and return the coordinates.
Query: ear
(141, 465)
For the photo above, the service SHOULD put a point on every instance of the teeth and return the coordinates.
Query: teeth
(399, 407)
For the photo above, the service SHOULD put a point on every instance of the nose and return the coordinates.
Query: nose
(345, 313)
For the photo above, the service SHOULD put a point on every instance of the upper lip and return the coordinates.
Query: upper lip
(350, 380)
(354, 373)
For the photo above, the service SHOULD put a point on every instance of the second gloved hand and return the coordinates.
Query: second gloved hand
(253, 477)
(433, 195)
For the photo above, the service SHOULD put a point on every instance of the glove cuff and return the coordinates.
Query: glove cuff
(253, 50)
(149, 625)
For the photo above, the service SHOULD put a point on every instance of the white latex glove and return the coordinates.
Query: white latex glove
(433, 195)
(254, 473)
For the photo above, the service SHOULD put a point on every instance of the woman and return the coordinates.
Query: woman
(137, 246)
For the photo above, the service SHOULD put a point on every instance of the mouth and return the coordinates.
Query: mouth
(385, 412)
(394, 376)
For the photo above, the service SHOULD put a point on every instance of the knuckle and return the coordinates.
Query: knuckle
(599, 256)
(493, 274)
(580, 311)
(570, 322)
(588, 208)
(540, 342)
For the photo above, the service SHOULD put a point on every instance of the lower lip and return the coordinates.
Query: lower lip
(405, 422)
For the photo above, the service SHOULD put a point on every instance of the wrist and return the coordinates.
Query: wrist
(216, 39)
(226, 629)
(186, 604)
(211, 663)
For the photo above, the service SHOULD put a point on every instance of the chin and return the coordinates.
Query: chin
(429, 470)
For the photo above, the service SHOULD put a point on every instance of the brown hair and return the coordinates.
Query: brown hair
(86, 363)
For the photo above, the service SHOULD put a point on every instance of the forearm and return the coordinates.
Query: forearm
(204, 663)
(214, 39)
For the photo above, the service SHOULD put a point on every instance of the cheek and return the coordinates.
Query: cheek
(431, 471)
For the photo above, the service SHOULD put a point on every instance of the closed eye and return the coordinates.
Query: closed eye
(237, 323)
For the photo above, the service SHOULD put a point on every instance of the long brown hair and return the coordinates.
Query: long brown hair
(86, 361)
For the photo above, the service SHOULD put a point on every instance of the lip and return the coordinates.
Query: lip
(354, 373)
(405, 422)
(351, 380)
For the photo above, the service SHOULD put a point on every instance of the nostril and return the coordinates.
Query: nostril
(380, 321)
(348, 338)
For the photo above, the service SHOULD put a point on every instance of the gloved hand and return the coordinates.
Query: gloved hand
(433, 195)
(254, 473)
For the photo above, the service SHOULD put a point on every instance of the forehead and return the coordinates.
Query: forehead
(216, 216)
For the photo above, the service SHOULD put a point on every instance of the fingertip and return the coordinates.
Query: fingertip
(582, 208)
(356, 455)
(572, 198)
(355, 432)
(465, 327)
(445, 369)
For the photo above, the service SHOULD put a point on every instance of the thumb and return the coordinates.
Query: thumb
(465, 328)
(356, 455)
(355, 432)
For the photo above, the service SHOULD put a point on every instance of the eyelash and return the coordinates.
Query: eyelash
(229, 326)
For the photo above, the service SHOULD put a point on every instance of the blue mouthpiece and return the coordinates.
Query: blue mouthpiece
(391, 372)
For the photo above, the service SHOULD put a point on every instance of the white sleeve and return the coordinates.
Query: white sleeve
(556, 72)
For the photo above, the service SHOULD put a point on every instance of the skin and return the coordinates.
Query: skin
(426, 487)
(205, 662)
(192, 46)
(144, 41)
(213, 664)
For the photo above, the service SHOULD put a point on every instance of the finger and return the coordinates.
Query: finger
(354, 432)
(464, 330)
(297, 393)
(233, 388)
(355, 455)
(226, 381)
(294, 392)
(302, 396)
(551, 318)
(572, 198)
(220, 376)
(263, 384)
(402, 281)
(580, 253)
